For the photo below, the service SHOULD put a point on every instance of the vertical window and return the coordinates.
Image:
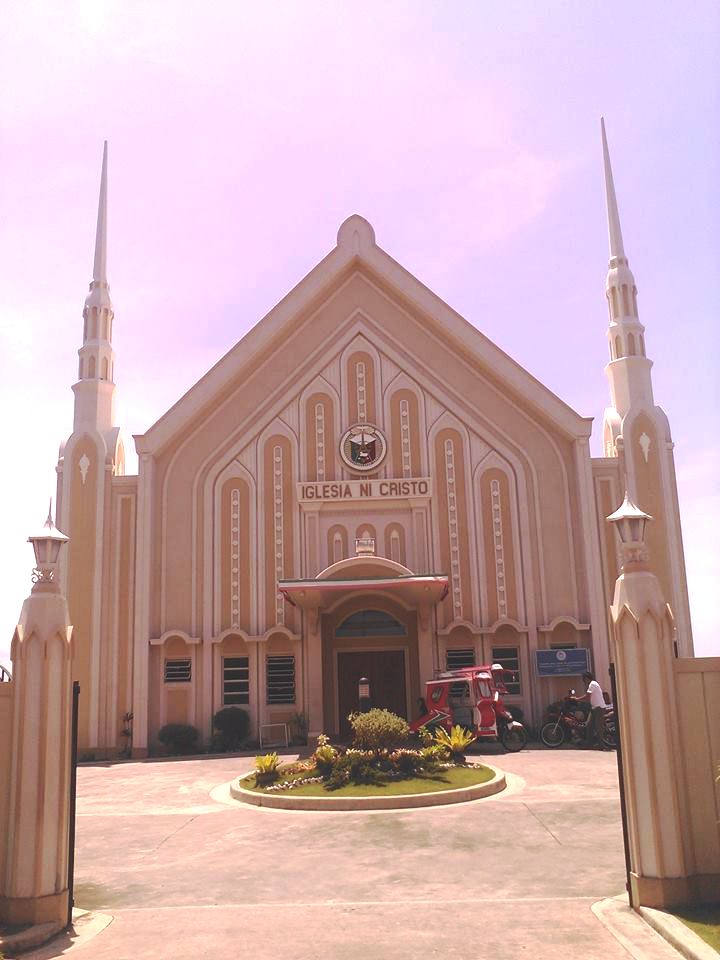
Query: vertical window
(178, 671)
(395, 546)
(236, 680)
(457, 658)
(509, 659)
(280, 673)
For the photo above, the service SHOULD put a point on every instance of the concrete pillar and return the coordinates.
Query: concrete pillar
(314, 673)
(426, 659)
(643, 634)
(34, 887)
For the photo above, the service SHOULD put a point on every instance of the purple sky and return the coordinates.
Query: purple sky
(242, 134)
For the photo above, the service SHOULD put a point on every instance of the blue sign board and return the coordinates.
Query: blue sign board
(562, 663)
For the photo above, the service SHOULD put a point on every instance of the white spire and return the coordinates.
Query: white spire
(614, 232)
(100, 265)
(94, 389)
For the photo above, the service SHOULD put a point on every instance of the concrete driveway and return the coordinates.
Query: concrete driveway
(186, 876)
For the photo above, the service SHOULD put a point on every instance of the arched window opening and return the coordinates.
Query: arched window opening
(626, 300)
(618, 348)
(91, 368)
(631, 345)
(337, 548)
(370, 623)
(614, 303)
(104, 369)
(610, 348)
(642, 345)
(85, 326)
(93, 323)
(634, 300)
(395, 547)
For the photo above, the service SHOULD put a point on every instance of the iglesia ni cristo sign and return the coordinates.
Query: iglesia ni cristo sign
(365, 490)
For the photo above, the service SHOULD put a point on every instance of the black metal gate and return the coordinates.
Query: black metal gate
(73, 794)
(621, 783)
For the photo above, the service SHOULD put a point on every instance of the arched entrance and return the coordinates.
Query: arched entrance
(368, 642)
(365, 616)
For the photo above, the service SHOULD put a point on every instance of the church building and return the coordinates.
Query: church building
(365, 485)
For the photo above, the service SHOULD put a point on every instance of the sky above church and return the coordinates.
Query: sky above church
(467, 132)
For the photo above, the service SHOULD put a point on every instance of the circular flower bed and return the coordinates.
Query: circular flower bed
(383, 764)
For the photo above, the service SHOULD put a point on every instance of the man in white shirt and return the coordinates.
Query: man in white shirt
(596, 721)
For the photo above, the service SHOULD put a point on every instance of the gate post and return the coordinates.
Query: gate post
(643, 633)
(34, 888)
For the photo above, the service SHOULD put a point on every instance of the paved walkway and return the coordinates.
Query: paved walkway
(185, 876)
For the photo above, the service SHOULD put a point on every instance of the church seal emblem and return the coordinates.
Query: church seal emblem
(363, 447)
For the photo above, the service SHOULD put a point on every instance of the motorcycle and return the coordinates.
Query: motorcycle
(472, 698)
(567, 723)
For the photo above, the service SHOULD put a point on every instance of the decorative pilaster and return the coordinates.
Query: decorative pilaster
(34, 887)
(643, 631)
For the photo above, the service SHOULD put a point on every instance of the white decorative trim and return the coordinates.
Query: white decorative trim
(549, 627)
(395, 545)
(235, 557)
(279, 544)
(172, 634)
(455, 580)
(499, 549)
(361, 391)
(405, 438)
(84, 464)
(320, 440)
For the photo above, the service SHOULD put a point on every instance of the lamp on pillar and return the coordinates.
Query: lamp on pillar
(37, 828)
(363, 694)
(646, 709)
(46, 546)
(630, 522)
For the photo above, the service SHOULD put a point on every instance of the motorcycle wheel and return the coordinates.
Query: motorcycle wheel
(552, 734)
(513, 738)
(609, 738)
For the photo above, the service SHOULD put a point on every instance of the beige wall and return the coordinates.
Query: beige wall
(516, 515)
(697, 683)
(6, 714)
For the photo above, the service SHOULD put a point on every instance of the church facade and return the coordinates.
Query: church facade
(364, 485)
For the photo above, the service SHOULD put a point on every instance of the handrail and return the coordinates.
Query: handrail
(5, 675)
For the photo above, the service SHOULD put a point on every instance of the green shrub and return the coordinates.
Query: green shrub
(407, 762)
(299, 728)
(325, 756)
(266, 768)
(378, 730)
(233, 725)
(425, 736)
(354, 766)
(434, 755)
(457, 741)
(179, 738)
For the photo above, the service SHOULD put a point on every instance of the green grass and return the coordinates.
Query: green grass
(704, 920)
(451, 779)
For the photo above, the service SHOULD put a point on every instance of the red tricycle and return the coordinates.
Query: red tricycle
(472, 698)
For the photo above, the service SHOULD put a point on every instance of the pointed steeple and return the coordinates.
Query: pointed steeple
(94, 390)
(629, 367)
(614, 232)
(100, 265)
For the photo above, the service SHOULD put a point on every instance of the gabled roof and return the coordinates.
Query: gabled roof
(356, 246)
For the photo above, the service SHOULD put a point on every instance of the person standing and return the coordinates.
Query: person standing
(595, 725)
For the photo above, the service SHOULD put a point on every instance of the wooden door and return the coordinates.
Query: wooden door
(385, 669)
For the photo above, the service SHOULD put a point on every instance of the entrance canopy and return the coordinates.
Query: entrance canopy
(365, 574)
